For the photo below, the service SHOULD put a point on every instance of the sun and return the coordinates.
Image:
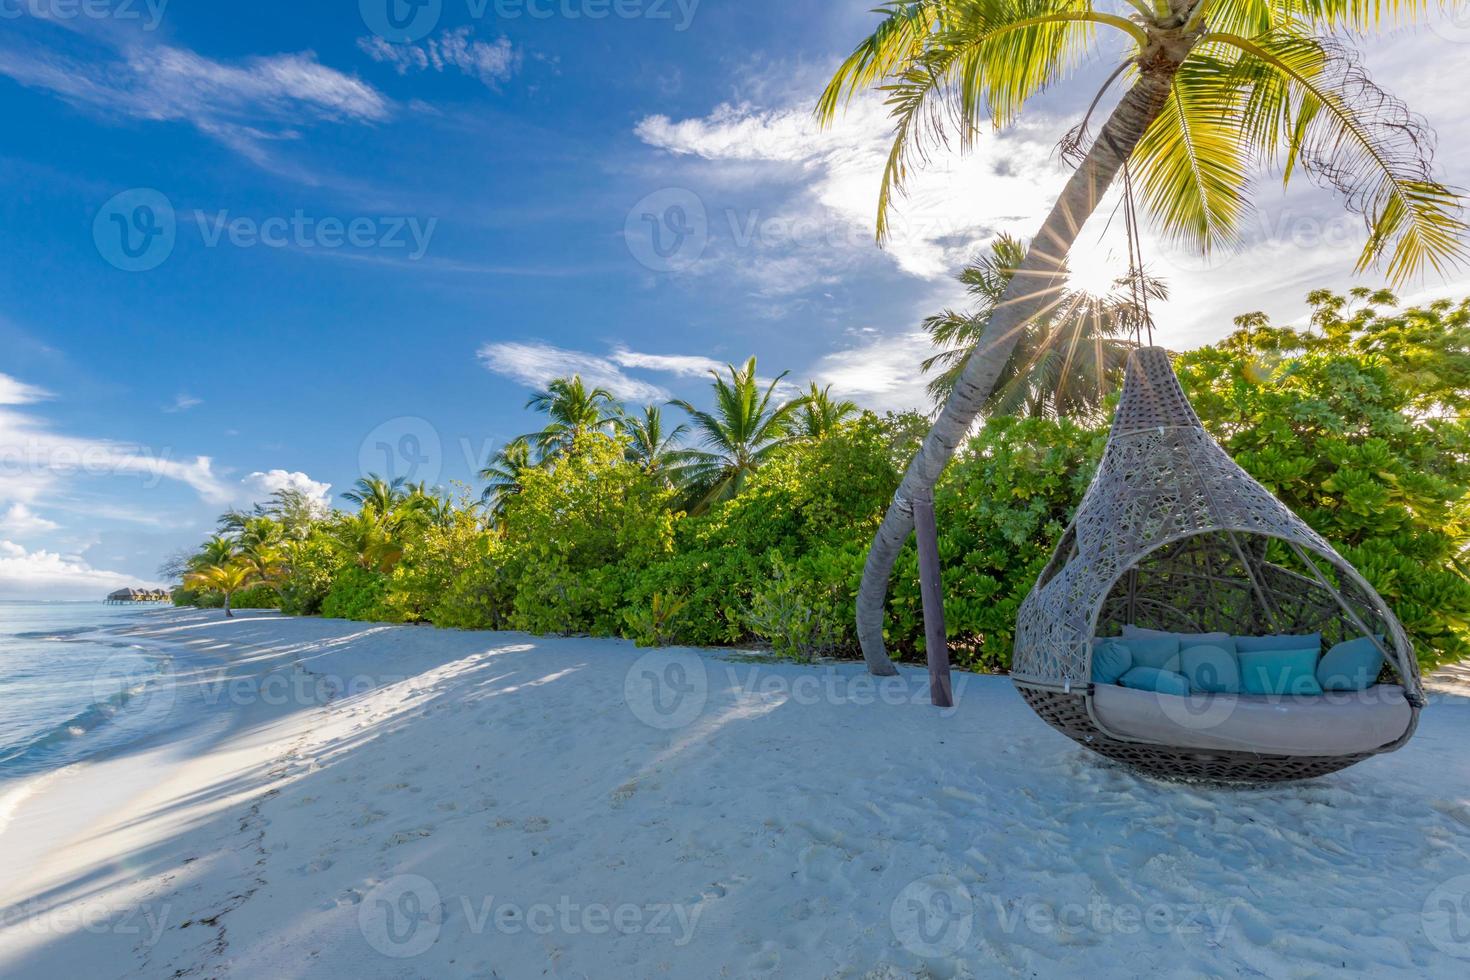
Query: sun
(1095, 267)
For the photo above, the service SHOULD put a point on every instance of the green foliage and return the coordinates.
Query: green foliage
(1000, 509)
(256, 597)
(436, 550)
(481, 594)
(656, 624)
(1359, 427)
(311, 564)
(803, 609)
(576, 534)
(812, 496)
(357, 593)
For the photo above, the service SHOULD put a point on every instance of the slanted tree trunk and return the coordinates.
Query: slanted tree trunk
(1033, 288)
(228, 613)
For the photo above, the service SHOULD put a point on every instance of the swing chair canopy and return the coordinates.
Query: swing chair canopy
(1173, 535)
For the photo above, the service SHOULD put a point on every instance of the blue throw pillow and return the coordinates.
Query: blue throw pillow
(1186, 640)
(1279, 671)
(1110, 661)
(1159, 652)
(1158, 681)
(1352, 665)
(1253, 644)
(1212, 670)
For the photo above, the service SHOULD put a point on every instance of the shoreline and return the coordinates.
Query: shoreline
(369, 800)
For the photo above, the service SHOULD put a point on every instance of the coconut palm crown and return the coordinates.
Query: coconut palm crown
(1214, 89)
(744, 430)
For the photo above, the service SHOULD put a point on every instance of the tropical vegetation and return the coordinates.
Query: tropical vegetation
(1359, 422)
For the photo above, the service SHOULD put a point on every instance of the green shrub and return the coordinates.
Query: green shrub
(658, 623)
(577, 534)
(480, 595)
(311, 565)
(804, 609)
(357, 593)
(1360, 428)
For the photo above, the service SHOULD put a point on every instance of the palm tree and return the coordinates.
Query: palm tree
(1216, 87)
(295, 510)
(649, 445)
(1066, 357)
(260, 550)
(505, 473)
(225, 577)
(382, 495)
(820, 413)
(369, 538)
(742, 432)
(572, 410)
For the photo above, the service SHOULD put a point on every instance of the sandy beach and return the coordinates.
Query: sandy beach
(385, 801)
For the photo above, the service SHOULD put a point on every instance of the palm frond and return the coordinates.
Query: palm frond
(1311, 106)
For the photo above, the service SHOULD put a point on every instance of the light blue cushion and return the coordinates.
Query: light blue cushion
(1253, 644)
(1110, 661)
(1212, 670)
(1160, 652)
(1186, 640)
(1158, 681)
(1352, 665)
(1279, 671)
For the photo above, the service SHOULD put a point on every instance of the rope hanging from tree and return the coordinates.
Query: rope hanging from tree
(1144, 323)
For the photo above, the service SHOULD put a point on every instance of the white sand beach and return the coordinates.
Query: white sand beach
(380, 801)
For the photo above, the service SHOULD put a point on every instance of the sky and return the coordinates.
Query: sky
(290, 244)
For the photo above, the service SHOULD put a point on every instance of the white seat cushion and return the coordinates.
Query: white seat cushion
(1335, 723)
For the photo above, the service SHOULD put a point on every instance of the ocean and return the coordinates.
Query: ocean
(71, 686)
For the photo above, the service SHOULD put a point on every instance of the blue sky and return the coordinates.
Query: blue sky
(340, 241)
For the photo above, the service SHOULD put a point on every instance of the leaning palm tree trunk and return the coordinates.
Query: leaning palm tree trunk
(1035, 286)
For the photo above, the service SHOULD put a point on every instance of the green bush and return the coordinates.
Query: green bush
(576, 535)
(357, 593)
(312, 563)
(804, 609)
(1360, 427)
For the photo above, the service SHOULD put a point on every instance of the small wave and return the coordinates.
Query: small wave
(89, 719)
(65, 634)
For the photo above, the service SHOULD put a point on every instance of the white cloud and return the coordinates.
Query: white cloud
(881, 373)
(686, 365)
(13, 392)
(537, 363)
(954, 202)
(490, 62)
(49, 575)
(34, 459)
(259, 486)
(182, 402)
(244, 104)
(21, 522)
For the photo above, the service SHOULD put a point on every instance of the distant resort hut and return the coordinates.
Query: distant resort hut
(137, 595)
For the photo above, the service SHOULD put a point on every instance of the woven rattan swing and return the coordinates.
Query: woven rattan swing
(1173, 535)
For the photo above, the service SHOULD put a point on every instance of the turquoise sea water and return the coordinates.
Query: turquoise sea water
(73, 684)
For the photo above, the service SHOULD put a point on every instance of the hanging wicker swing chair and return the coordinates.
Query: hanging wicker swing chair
(1172, 535)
